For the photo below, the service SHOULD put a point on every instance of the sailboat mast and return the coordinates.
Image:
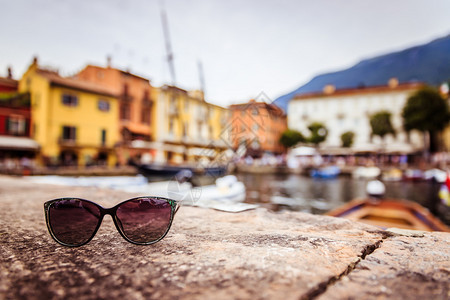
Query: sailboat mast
(169, 52)
(202, 78)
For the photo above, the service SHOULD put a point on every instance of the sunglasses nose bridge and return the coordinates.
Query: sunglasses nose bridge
(110, 211)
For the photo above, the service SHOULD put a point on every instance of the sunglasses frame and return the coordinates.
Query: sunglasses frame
(175, 205)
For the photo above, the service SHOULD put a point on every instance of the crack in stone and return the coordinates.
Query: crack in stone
(323, 286)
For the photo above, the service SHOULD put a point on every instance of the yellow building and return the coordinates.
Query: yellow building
(75, 122)
(189, 129)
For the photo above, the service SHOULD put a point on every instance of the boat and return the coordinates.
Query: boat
(326, 172)
(393, 174)
(156, 170)
(388, 213)
(436, 175)
(366, 172)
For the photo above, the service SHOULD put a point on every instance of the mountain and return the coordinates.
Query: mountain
(428, 63)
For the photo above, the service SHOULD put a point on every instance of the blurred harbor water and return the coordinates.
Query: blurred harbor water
(273, 191)
(303, 193)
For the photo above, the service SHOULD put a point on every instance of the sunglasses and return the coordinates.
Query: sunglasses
(74, 222)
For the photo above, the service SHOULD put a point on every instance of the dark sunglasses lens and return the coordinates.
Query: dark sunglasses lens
(144, 220)
(73, 221)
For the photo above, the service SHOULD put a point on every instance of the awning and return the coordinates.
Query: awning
(138, 129)
(335, 151)
(18, 143)
(304, 151)
(400, 149)
(366, 148)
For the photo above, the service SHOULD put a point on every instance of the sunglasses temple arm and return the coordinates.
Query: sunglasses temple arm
(177, 207)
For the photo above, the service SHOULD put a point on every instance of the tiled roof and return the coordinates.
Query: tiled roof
(252, 104)
(118, 70)
(8, 82)
(57, 80)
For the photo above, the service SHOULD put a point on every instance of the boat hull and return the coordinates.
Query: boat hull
(387, 213)
(150, 170)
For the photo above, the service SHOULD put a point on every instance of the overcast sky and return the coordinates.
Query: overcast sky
(245, 47)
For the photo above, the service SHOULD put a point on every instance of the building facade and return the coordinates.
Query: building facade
(351, 109)
(137, 114)
(74, 122)
(15, 124)
(188, 129)
(257, 126)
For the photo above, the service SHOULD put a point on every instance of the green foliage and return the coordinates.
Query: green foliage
(381, 124)
(347, 139)
(319, 133)
(425, 110)
(290, 138)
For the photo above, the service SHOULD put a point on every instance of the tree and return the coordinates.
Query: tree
(290, 138)
(318, 133)
(428, 112)
(381, 124)
(347, 139)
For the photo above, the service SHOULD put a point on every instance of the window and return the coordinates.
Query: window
(69, 133)
(171, 126)
(145, 115)
(69, 100)
(16, 125)
(103, 105)
(199, 128)
(185, 129)
(124, 111)
(103, 137)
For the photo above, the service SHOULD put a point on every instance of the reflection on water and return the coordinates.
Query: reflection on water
(303, 193)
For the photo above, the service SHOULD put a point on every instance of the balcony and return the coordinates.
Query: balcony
(126, 98)
(70, 143)
(16, 100)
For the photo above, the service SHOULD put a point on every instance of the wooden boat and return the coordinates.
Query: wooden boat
(388, 213)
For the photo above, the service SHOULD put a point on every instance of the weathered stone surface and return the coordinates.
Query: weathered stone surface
(209, 254)
(417, 265)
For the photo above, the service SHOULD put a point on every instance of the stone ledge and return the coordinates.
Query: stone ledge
(210, 254)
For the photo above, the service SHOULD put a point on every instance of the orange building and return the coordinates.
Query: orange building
(257, 126)
(136, 108)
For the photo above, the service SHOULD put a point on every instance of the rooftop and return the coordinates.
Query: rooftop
(329, 91)
(56, 80)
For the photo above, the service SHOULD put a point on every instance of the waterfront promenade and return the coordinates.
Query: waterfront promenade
(210, 254)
